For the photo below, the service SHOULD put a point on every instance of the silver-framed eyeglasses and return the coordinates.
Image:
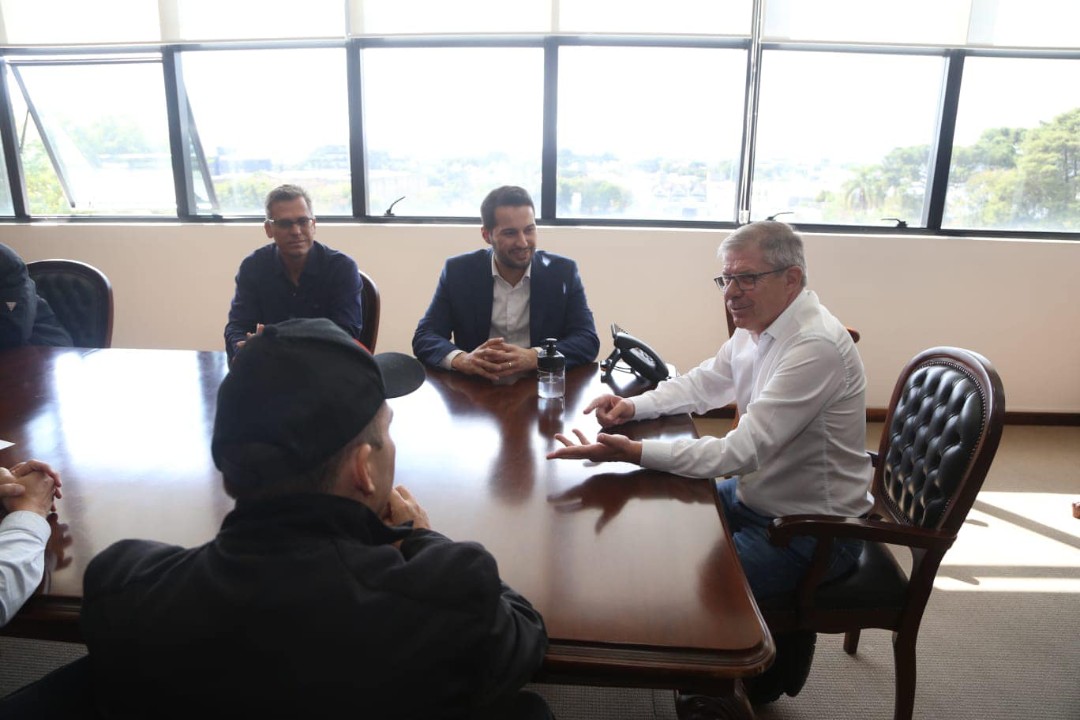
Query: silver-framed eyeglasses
(746, 281)
(288, 223)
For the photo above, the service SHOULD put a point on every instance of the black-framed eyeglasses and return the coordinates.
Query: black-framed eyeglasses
(746, 281)
(288, 224)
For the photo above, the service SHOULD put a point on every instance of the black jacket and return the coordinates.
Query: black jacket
(25, 317)
(302, 607)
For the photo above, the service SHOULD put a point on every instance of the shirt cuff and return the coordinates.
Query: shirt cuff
(656, 454)
(447, 363)
(644, 407)
(29, 521)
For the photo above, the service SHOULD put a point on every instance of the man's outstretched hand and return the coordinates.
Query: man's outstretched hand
(607, 448)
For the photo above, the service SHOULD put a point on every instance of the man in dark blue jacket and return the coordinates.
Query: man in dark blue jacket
(294, 276)
(500, 304)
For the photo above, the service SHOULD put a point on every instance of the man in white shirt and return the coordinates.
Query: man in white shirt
(800, 444)
(27, 492)
(799, 385)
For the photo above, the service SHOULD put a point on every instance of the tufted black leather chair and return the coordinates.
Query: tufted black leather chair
(941, 432)
(369, 310)
(81, 297)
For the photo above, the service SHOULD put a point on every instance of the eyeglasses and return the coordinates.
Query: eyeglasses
(288, 224)
(746, 281)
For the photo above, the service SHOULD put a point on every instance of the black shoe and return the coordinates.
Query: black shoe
(788, 673)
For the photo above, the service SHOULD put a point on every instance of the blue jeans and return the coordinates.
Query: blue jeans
(770, 569)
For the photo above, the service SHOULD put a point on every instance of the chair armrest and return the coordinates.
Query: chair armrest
(874, 458)
(782, 529)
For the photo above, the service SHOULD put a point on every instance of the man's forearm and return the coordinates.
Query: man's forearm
(579, 348)
(22, 559)
(517, 645)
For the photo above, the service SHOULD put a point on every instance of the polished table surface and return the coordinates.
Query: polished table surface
(632, 569)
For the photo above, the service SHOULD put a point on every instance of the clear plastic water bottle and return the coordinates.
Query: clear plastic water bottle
(551, 371)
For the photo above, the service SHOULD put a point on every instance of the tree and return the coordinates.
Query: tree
(1009, 178)
(896, 187)
(109, 137)
(1050, 165)
(597, 197)
(996, 149)
(44, 196)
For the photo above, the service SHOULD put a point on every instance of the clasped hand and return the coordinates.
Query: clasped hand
(495, 359)
(32, 485)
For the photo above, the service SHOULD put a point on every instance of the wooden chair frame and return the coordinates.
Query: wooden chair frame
(370, 309)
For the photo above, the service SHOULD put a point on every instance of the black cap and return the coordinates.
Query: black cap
(298, 392)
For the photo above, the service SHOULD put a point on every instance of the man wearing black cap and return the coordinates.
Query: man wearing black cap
(325, 593)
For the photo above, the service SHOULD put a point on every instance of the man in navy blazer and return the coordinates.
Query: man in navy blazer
(500, 304)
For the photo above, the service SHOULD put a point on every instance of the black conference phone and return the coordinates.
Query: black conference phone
(642, 359)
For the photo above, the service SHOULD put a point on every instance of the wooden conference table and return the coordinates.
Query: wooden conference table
(632, 569)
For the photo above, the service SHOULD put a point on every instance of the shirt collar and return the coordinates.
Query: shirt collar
(495, 268)
(310, 513)
(784, 324)
(311, 266)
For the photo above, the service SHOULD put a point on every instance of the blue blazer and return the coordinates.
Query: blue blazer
(462, 303)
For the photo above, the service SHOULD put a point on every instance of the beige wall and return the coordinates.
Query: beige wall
(1015, 301)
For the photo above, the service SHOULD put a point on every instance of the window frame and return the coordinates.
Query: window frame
(183, 133)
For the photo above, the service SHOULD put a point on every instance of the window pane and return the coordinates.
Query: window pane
(649, 133)
(255, 19)
(1026, 23)
(391, 17)
(935, 22)
(267, 117)
(444, 126)
(1016, 162)
(695, 17)
(845, 137)
(107, 130)
(56, 22)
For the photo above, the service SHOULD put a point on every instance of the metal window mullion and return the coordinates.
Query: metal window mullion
(357, 165)
(937, 184)
(752, 98)
(204, 165)
(178, 113)
(9, 139)
(550, 148)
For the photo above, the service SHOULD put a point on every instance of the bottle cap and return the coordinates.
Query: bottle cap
(550, 360)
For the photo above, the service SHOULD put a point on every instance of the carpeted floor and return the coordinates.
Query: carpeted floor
(1000, 639)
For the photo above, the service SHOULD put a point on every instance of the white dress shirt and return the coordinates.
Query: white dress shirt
(23, 535)
(510, 307)
(509, 312)
(800, 445)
